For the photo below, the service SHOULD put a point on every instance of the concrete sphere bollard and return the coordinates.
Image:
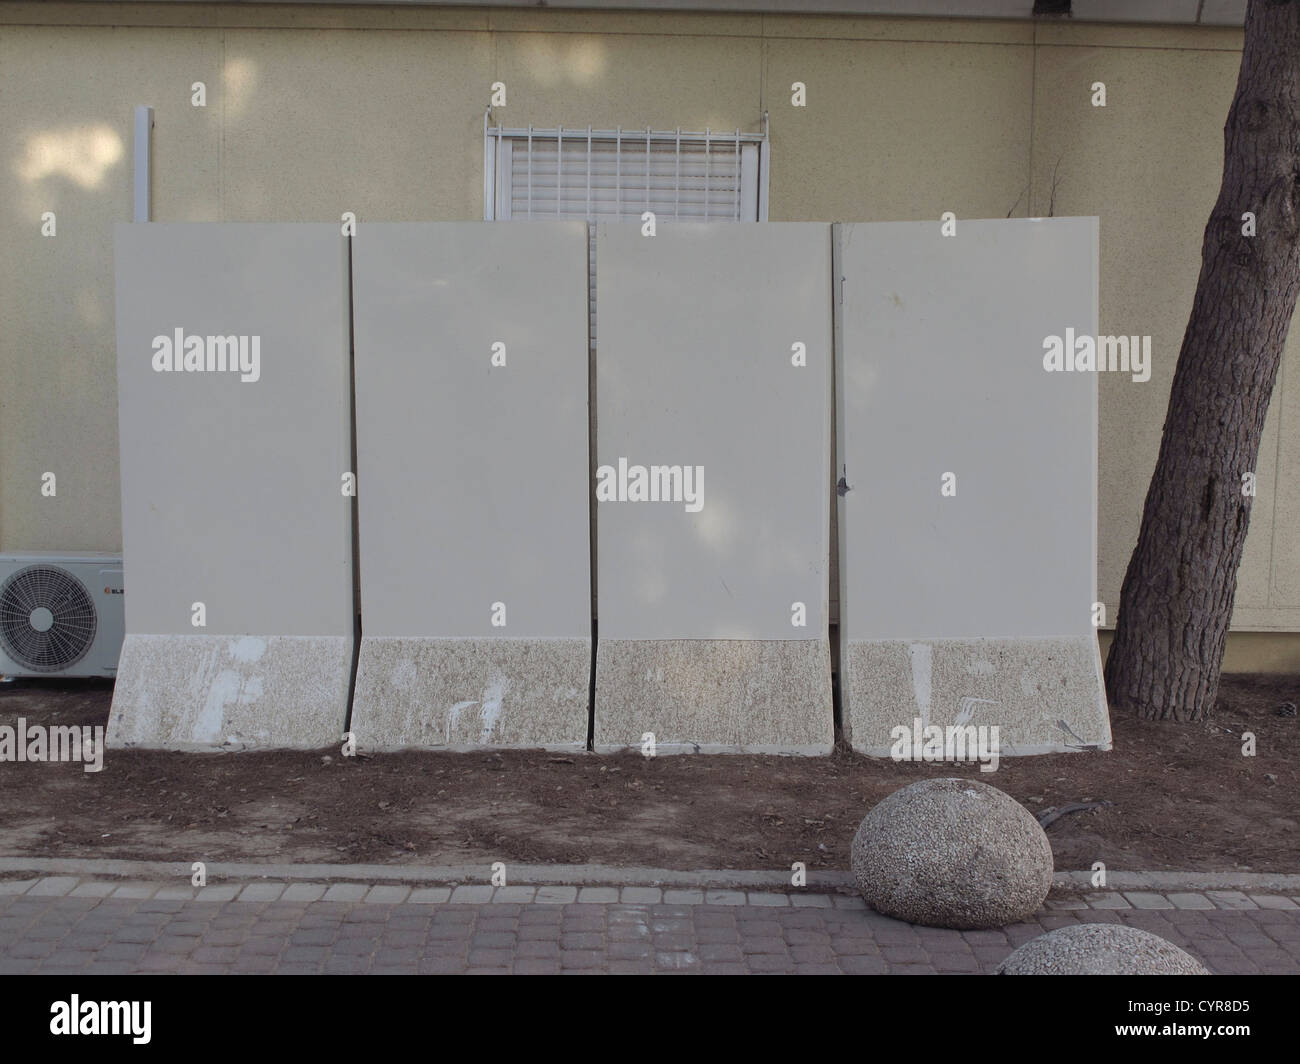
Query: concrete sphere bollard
(1100, 949)
(952, 853)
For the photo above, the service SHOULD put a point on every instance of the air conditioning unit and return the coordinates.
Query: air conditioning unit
(60, 614)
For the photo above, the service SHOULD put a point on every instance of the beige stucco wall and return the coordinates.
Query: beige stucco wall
(316, 111)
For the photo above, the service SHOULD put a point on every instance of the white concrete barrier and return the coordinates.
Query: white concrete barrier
(968, 525)
(713, 370)
(233, 395)
(471, 377)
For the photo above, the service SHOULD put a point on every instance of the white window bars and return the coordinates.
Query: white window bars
(615, 175)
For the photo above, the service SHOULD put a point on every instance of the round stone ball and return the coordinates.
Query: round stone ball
(1100, 949)
(952, 853)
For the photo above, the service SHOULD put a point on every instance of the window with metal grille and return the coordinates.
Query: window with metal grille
(616, 175)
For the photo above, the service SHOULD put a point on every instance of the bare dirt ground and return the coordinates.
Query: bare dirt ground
(1183, 798)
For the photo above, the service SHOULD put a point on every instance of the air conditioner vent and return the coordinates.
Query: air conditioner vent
(47, 618)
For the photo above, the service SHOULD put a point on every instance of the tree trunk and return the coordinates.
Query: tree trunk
(1178, 592)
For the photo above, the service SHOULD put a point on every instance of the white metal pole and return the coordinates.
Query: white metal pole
(677, 176)
(737, 164)
(141, 184)
(707, 177)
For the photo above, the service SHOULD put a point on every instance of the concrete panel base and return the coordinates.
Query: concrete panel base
(468, 694)
(215, 692)
(715, 696)
(1045, 695)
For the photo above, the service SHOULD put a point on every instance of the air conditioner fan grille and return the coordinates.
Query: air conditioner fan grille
(47, 618)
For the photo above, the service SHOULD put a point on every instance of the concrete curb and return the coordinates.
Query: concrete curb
(589, 875)
(598, 875)
(1282, 882)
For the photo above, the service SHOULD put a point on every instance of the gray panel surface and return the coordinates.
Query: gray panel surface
(693, 367)
(942, 371)
(473, 481)
(231, 487)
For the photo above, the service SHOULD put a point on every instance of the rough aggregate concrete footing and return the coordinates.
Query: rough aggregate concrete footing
(1044, 695)
(471, 694)
(230, 692)
(715, 695)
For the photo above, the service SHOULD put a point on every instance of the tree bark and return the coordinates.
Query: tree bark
(1178, 593)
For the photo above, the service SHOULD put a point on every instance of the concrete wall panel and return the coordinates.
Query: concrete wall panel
(695, 368)
(473, 484)
(979, 586)
(232, 486)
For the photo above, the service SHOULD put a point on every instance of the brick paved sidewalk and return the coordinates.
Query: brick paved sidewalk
(62, 924)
